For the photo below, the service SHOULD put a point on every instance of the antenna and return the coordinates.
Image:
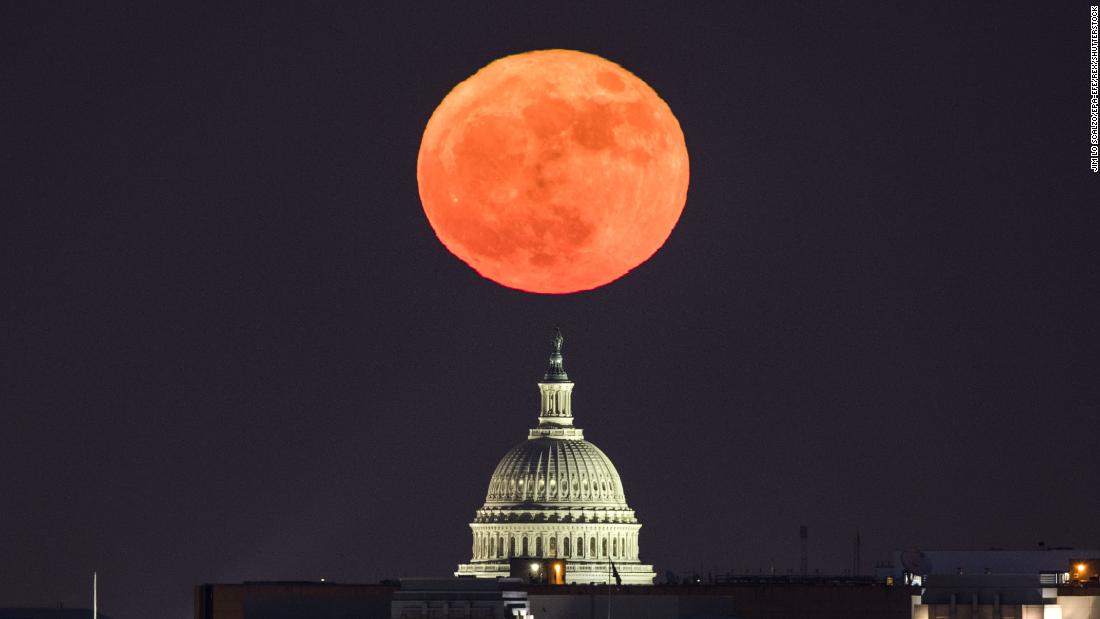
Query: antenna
(95, 595)
(857, 557)
(803, 533)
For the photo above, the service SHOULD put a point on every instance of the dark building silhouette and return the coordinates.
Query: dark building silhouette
(293, 600)
(488, 599)
(48, 613)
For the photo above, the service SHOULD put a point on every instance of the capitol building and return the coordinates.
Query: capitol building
(556, 496)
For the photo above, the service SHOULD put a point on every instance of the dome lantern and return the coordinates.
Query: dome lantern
(556, 390)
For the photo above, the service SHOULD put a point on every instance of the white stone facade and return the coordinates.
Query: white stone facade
(557, 496)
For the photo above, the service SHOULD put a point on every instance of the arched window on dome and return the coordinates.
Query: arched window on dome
(580, 547)
(565, 546)
(592, 548)
(512, 546)
(500, 546)
(615, 547)
(538, 546)
(604, 547)
(553, 546)
(524, 546)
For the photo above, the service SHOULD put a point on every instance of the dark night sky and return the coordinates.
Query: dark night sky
(233, 349)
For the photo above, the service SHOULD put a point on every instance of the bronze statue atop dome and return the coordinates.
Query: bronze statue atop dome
(555, 371)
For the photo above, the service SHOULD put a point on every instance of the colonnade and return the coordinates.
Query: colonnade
(617, 545)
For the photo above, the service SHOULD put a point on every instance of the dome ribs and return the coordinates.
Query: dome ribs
(562, 474)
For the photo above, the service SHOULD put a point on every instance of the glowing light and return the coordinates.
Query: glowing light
(557, 567)
(534, 568)
(553, 171)
(1081, 567)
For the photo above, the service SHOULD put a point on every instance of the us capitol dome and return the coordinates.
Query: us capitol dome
(556, 496)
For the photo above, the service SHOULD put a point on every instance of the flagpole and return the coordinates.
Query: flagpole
(95, 595)
(608, 587)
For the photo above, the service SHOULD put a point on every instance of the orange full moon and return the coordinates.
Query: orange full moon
(553, 171)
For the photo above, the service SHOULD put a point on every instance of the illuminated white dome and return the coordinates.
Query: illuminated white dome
(556, 472)
(557, 496)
